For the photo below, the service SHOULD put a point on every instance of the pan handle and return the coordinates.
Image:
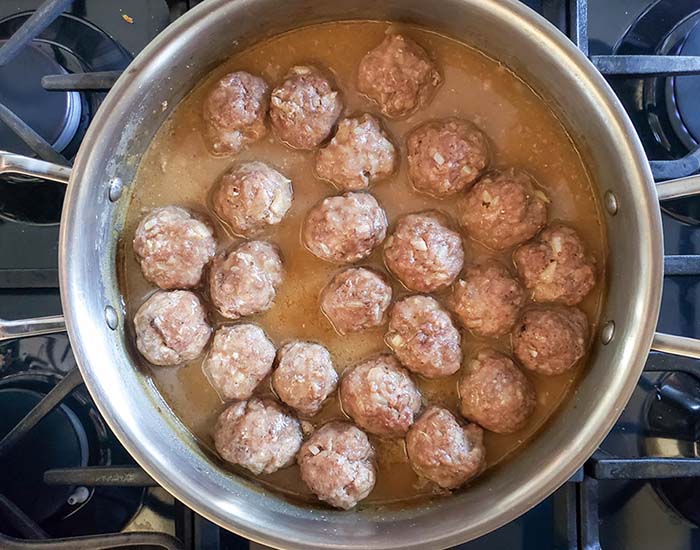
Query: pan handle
(11, 163)
(23, 328)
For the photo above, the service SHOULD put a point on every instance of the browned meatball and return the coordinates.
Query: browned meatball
(422, 336)
(356, 299)
(259, 435)
(550, 340)
(304, 108)
(446, 156)
(252, 196)
(360, 153)
(336, 462)
(379, 395)
(503, 209)
(556, 267)
(245, 281)
(443, 451)
(304, 376)
(171, 328)
(345, 228)
(240, 357)
(234, 112)
(423, 253)
(495, 394)
(398, 75)
(173, 246)
(487, 299)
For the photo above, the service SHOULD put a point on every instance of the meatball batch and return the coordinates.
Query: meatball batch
(423, 252)
(259, 435)
(344, 229)
(550, 341)
(251, 197)
(495, 394)
(304, 108)
(173, 246)
(245, 280)
(446, 156)
(503, 209)
(336, 463)
(171, 327)
(443, 451)
(304, 376)
(379, 395)
(359, 154)
(235, 111)
(356, 299)
(422, 336)
(555, 267)
(398, 75)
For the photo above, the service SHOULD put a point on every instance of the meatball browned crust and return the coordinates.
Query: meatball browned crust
(550, 340)
(336, 462)
(173, 247)
(503, 209)
(556, 267)
(398, 75)
(239, 358)
(443, 451)
(235, 111)
(245, 281)
(171, 327)
(379, 395)
(487, 299)
(304, 108)
(257, 434)
(304, 376)
(422, 336)
(423, 252)
(359, 154)
(345, 228)
(446, 156)
(251, 197)
(495, 394)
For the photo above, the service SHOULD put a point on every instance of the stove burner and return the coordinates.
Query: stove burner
(687, 89)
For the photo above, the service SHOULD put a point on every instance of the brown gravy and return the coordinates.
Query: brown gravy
(177, 169)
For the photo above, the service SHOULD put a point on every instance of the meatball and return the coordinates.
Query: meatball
(487, 299)
(503, 209)
(556, 267)
(422, 336)
(379, 395)
(245, 281)
(356, 299)
(173, 246)
(171, 327)
(360, 153)
(240, 357)
(398, 75)
(495, 394)
(258, 435)
(550, 340)
(304, 108)
(423, 253)
(304, 376)
(251, 197)
(234, 112)
(345, 228)
(443, 451)
(446, 156)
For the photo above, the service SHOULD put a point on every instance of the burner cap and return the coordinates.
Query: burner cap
(687, 88)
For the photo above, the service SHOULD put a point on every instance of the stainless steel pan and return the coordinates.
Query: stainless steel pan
(98, 196)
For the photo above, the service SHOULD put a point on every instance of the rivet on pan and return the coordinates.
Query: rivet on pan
(608, 332)
(111, 317)
(611, 203)
(115, 189)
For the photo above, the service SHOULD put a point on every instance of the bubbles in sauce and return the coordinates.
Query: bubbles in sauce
(524, 132)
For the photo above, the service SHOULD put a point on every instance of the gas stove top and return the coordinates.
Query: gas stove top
(62, 472)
